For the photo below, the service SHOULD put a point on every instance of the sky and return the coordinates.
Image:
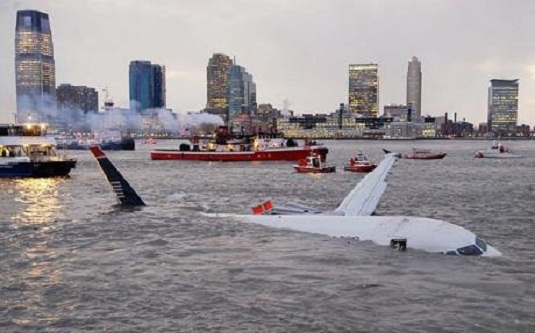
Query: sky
(298, 51)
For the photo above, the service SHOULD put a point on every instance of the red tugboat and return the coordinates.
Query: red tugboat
(230, 148)
(424, 154)
(359, 163)
(313, 164)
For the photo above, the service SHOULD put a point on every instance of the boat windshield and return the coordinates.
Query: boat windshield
(10, 151)
(361, 157)
(40, 151)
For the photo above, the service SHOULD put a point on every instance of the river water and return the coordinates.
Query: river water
(71, 261)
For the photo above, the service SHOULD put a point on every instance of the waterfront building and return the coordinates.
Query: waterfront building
(267, 112)
(459, 129)
(402, 130)
(364, 89)
(414, 88)
(35, 70)
(217, 75)
(397, 111)
(81, 98)
(147, 85)
(502, 113)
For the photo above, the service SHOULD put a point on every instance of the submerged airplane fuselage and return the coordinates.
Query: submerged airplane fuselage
(420, 233)
(353, 218)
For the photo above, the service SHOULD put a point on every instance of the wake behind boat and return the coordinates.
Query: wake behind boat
(227, 147)
(424, 154)
(25, 151)
(496, 150)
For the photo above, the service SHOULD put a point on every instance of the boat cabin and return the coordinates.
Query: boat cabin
(26, 141)
(314, 161)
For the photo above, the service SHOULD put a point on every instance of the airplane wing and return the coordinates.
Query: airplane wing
(363, 199)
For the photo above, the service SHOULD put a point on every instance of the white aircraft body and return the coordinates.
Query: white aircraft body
(353, 219)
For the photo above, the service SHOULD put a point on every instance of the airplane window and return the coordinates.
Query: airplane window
(470, 250)
(481, 243)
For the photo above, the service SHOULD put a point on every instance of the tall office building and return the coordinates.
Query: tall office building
(158, 79)
(241, 92)
(35, 69)
(364, 89)
(414, 87)
(147, 85)
(235, 91)
(502, 113)
(217, 74)
(81, 98)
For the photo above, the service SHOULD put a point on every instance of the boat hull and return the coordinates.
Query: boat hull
(38, 169)
(499, 156)
(359, 168)
(123, 144)
(282, 154)
(437, 156)
(307, 169)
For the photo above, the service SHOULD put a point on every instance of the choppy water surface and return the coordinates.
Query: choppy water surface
(70, 261)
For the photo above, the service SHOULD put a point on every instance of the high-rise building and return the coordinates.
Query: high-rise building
(502, 113)
(158, 79)
(147, 85)
(217, 74)
(235, 91)
(81, 98)
(35, 70)
(364, 89)
(414, 88)
(241, 92)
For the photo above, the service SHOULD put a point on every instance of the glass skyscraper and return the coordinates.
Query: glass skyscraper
(364, 89)
(147, 85)
(502, 113)
(241, 92)
(236, 91)
(414, 88)
(35, 69)
(217, 74)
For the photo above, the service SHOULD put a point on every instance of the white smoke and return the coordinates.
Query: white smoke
(112, 119)
(191, 120)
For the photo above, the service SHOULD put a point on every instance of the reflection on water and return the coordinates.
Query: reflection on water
(39, 200)
(32, 248)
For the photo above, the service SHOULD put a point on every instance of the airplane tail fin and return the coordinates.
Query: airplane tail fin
(123, 191)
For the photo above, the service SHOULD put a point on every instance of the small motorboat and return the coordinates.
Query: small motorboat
(424, 154)
(313, 164)
(359, 163)
(497, 150)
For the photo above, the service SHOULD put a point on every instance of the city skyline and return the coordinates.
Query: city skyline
(297, 59)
